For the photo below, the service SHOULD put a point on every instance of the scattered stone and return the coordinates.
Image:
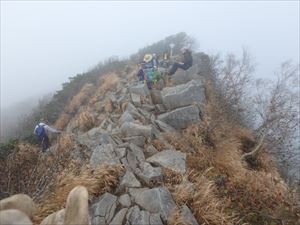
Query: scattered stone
(164, 127)
(126, 117)
(149, 174)
(138, 217)
(148, 107)
(136, 99)
(182, 117)
(170, 159)
(184, 94)
(125, 200)
(119, 217)
(157, 200)
(121, 152)
(160, 108)
(150, 151)
(188, 216)
(137, 140)
(133, 129)
(104, 209)
(155, 219)
(140, 89)
(129, 180)
(104, 154)
(134, 192)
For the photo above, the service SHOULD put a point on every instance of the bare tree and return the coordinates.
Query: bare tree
(276, 106)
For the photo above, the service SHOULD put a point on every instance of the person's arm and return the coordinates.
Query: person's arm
(51, 129)
(35, 129)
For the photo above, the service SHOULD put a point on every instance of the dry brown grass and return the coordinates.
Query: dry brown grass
(207, 207)
(79, 99)
(62, 121)
(86, 121)
(97, 181)
(107, 83)
(176, 218)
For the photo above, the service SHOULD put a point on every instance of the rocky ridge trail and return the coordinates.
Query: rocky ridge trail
(126, 139)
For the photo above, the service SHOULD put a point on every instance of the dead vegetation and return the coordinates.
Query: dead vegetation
(229, 190)
(97, 181)
(80, 99)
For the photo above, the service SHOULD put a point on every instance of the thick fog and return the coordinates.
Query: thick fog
(44, 43)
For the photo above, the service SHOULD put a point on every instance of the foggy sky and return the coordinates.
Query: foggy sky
(44, 43)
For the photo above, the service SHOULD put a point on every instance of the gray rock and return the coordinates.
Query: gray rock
(157, 200)
(138, 217)
(170, 159)
(134, 156)
(184, 94)
(182, 117)
(160, 108)
(155, 219)
(164, 127)
(134, 192)
(137, 140)
(104, 209)
(95, 137)
(136, 99)
(156, 96)
(188, 216)
(126, 117)
(104, 154)
(121, 152)
(140, 89)
(119, 217)
(149, 174)
(130, 129)
(148, 107)
(150, 151)
(129, 180)
(125, 200)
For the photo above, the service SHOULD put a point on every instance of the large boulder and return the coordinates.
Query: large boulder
(104, 154)
(104, 209)
(157, 200)
(182, 117)
(170, 159)
(130, 129)
(184, 94)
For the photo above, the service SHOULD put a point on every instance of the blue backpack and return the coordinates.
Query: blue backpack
(40, 131)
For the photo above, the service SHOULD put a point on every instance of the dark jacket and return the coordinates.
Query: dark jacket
(187, 59)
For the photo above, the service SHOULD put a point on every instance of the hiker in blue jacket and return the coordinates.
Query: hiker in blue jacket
(41, 130)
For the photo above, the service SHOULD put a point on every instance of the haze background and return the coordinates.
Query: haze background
(44, 43)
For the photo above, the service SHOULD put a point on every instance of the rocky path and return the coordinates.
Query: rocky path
(126, 139)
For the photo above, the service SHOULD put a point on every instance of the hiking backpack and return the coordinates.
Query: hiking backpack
(40, 131)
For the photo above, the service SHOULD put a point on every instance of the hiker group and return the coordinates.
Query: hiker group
(152, 69)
